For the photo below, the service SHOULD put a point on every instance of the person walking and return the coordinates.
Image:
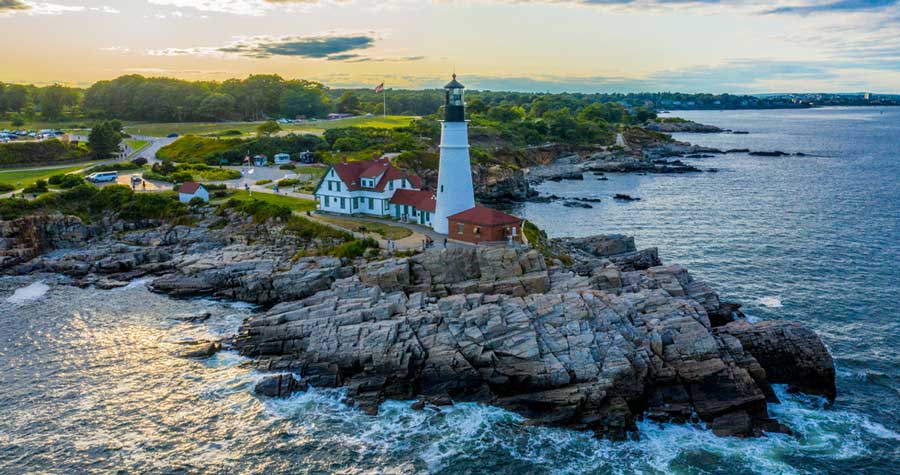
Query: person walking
(445, 243)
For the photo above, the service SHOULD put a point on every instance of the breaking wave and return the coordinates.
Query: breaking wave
(29, 293)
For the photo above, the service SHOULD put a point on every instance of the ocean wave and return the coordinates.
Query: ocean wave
(467, 434)
(29, 293)
(770, 301)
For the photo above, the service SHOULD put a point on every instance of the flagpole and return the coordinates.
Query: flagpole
(384, 99)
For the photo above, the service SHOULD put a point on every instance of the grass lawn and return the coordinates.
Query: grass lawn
(249, 128)
(296, 204)
(137, 145)
(387, 231)
(24, 177)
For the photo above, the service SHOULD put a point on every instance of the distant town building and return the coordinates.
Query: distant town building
(190, 190)
(282, 158)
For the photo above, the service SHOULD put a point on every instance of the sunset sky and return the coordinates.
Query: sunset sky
(528, 45)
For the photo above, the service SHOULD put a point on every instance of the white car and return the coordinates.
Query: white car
(102, 177)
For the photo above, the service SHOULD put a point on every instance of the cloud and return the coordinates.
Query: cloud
(10, 7)
(835, 7)
(13, 5)
(334, 48)
(235, 7)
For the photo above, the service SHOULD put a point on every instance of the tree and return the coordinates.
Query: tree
(349, 103)
(304, 101)
(267, 129)
(54, 99)
(104, 139)
(216, 106)
(16, 120)
(15, 98)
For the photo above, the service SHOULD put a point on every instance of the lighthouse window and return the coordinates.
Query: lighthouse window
(442, 188)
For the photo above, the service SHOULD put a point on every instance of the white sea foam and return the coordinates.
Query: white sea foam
(770, 301)
(135, 284)
(28, 293)
(467, 433)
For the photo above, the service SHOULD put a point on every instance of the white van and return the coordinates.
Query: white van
(102, 177)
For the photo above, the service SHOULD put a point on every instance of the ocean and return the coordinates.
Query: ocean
(88, 383)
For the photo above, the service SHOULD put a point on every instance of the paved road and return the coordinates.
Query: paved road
(156, 143)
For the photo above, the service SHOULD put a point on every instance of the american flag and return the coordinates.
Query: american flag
(379, 88)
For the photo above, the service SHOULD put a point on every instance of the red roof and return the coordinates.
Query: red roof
(189, 187)
(351, 172)
(420, 199)
(483, 216)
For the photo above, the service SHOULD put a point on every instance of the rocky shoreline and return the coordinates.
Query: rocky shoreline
(595, 338)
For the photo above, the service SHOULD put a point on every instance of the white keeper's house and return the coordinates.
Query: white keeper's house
(367, 187)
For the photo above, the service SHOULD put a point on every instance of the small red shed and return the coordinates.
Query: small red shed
(482, 224)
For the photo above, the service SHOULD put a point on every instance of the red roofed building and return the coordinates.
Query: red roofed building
(414, 206)
(364, 187)
(190, 190)
(481, 225)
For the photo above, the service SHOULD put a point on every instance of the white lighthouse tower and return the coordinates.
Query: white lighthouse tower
(455, 192)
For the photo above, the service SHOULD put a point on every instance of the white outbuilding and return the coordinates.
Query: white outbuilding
(190, 190)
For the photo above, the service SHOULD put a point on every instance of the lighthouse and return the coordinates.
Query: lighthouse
(455, 192)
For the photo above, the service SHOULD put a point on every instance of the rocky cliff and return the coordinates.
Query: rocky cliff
(610, 337)
(594, 350)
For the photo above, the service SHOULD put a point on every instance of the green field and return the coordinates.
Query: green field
(24, 177)
(137, 145)
(249, 128)
(296, 204)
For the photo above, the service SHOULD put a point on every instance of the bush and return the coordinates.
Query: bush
(39, 186)
(309, 229)
(45, 152)
(140, 161)
(354, 249)
(215, 186)
(180, 177)
(262, 182)
(288, 182)
(261, 211)
(287, 166)
(113, 167)
(66, 180)
(4, 188)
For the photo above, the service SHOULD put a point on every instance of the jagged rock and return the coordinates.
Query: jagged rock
(577, 204)
(685, 126)
(588, 359)
(280, 386)
(624, 197)
(461, 270)
(789, 352)
(199, 349)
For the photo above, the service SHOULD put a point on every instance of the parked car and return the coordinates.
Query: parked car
(102, 177)
(173, 135)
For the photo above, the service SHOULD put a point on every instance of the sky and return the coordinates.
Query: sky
(716, 46)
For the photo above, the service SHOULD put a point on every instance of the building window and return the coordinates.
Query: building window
(329, 186)
(338, 185)
(342, 203)
(371, 203)
(391, 185)
(355, 203)
(460, 228)
(442, 188)
(476, 231)
(326, 201)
